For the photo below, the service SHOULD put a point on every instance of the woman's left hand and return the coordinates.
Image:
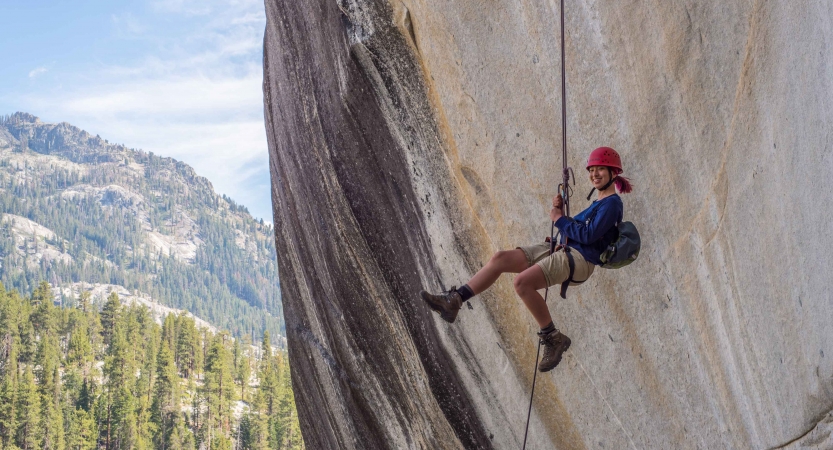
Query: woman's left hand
(555, 214)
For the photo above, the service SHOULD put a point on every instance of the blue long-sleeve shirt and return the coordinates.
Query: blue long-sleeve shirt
(591, 230)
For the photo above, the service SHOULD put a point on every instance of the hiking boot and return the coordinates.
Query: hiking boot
(555, 344)
(447, 303)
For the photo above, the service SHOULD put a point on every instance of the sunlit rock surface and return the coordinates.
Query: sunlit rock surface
(409, 140)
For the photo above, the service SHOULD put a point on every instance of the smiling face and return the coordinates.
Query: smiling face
(599, 176)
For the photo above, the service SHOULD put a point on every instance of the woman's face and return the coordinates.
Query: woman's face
(599, 176)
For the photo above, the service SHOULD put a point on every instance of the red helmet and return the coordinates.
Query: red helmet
(605, 156)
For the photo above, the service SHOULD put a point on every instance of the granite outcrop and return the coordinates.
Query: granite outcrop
(411, 139)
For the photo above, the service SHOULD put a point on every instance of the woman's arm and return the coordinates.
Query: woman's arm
(557, 208)
(602, 220)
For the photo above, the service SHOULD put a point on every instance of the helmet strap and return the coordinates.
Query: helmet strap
(604, 188)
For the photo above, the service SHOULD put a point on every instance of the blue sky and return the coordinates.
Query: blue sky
(180, 78)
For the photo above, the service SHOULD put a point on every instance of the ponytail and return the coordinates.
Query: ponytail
(623, 185)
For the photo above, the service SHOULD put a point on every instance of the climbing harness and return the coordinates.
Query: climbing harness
(572, 263)
(565, 191)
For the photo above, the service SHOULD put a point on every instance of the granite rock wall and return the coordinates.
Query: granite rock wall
(411, 139)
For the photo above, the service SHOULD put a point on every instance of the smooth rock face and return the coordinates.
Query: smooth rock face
(411, 139)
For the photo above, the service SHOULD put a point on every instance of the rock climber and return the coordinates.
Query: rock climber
(584, 237)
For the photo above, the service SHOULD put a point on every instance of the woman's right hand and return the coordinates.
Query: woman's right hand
(558, 201)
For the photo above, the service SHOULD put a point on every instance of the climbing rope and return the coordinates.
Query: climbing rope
(534, 377)
(565, 191)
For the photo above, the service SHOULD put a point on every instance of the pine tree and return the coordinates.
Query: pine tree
(119, 370)
(47, 362)
(255, 427)
(9, 372)
(182, 438)
(219, 386)
(166, 402)
(81, 430)
(87, 395)
(49, 396)
(28, 418)
(270, 385)
(188, 350)
(265, 430)
(109, 316)
(287, 428)
(266, 347)
(169, 334)
(43, 319)
(84, 301)
(80, 349)
(243, 369)
(142, 329)
(8, 398)
(28, 337)
(124, 432)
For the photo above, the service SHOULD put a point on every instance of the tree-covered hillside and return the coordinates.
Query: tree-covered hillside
(75, 378)
(75, 208)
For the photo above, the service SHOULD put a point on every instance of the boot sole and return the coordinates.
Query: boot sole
(446, 317)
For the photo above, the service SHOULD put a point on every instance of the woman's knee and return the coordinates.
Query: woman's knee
(523, 283)
(531, 279)
(498, 257)
(509, 260)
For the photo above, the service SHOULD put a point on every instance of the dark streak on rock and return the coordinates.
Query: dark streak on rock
(342, 91)
(307, 335)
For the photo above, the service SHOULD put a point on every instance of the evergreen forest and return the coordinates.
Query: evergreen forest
(76, 209)
(85, 377)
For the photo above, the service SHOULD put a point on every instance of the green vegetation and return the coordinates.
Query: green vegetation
(79, 378)
(114, 210)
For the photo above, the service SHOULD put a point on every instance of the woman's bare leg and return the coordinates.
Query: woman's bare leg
(504, 261)
(527, 285)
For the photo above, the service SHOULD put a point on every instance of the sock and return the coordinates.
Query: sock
(547, 329)
(465, 292)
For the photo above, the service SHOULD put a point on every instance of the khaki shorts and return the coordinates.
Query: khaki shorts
(556, 267)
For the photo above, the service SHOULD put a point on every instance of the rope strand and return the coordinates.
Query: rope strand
(534, 377)
(564, 167)
(566, 192)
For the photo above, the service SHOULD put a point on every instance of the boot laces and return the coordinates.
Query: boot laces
(542, 336)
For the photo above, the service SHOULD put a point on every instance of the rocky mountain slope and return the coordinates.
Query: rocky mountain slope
(411, 139)
(77, 209)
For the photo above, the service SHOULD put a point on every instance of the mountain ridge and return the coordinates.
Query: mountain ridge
(134, 219)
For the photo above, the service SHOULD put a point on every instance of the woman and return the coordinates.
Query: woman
(584, 236)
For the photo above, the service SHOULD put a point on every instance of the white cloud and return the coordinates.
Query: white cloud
(127, 25)
(197, 99)
(203, 7)
(36, 72)
(254, 18)
(195, 96)
(186, 7)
